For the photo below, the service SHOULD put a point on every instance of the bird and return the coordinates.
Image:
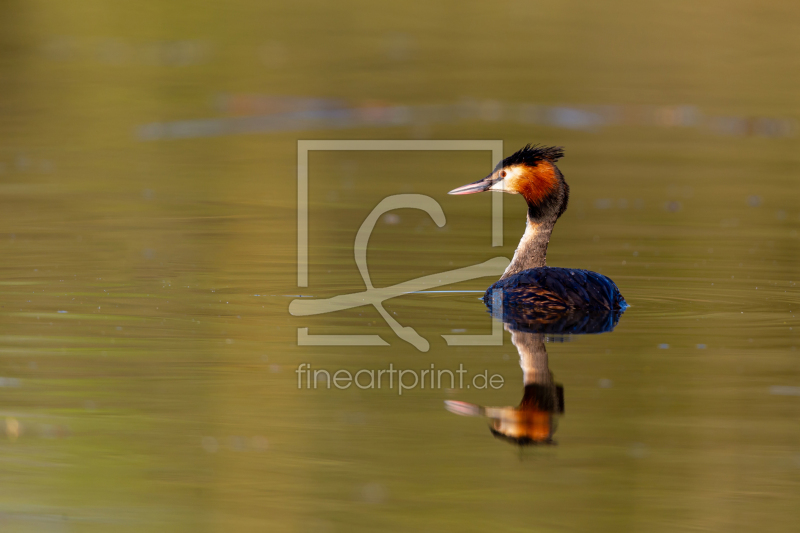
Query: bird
(528, 282)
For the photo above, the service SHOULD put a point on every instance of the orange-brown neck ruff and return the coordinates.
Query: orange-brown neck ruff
(534, 183)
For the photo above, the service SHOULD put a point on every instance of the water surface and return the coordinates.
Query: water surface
(148, 235)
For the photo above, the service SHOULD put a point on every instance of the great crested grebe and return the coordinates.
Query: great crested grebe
(532, 173)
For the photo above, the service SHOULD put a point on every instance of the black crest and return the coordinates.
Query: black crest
(531, 154)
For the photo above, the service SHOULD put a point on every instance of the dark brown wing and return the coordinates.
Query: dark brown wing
(560, 288)
(557, 301)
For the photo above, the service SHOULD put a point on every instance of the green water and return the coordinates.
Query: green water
(147, 353)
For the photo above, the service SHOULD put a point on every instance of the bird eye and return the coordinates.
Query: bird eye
(502, 173)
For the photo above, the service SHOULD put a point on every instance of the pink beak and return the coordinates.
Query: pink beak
(479, 186)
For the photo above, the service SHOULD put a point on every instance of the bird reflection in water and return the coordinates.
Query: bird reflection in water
(535, 419)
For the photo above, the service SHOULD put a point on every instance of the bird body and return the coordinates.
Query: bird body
(531, 172)
(560, 288)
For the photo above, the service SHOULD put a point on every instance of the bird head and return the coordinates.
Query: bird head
(530, 172)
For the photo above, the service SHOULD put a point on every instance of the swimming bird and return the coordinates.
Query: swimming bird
(532, 173)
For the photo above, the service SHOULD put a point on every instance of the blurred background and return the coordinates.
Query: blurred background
(148, 163)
